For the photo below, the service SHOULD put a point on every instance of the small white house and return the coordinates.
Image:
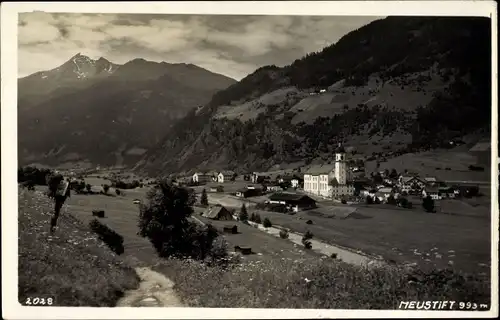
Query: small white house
(201, 177)
(225, 176)
(432, 192)
(295, 183)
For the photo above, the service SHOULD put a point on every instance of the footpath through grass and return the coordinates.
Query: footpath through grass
(73, 265)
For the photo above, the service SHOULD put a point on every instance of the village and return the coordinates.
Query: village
(342, 182)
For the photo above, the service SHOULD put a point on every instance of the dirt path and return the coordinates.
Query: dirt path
(155, 290)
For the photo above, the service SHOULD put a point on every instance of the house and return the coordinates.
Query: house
(340, 190)
(431, 181)
(225, 176)
(297, 182)
(218, 212)
(482, 152)
(274, 188)
(384, 193)
(407, 183)
(260, 177)
(202, 177)
(246, 193)
(433, 192)
(319, 179)
(295, 201)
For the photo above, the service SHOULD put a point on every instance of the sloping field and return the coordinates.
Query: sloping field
(72, 266)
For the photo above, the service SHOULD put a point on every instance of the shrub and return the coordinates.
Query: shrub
(88, 187)
(118, 192)
(369, 200)
(204, 198)
(343, 201)
(163, 219)
(309, 222)
(267, 223)
(391, 200)
(243, 216)
(112, 239)
(257, 218)
(252, 217)
(306, 239)
(105, 188)
(333, 255)
(284, 234)
(428, 204)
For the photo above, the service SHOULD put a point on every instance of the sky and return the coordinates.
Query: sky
(231, 45)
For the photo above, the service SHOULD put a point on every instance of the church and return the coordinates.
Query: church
(330, 180)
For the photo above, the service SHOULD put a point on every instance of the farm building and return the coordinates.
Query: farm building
(296, 201)
(218, 213)
(202, 177)
(246, 193)
(433, 192)
(482, 151)
(260, 177)
(406, 183)
(217, 189)
(225, 176)
(274, 188)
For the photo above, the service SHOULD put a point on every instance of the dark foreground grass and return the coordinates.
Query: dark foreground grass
(325, 283)
(72, 266)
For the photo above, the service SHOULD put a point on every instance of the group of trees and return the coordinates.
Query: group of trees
(163, 219)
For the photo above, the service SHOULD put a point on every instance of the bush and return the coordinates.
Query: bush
(118, 192)
(333, 255)
(428, 204)
(163, 219)
(252, 217)
(88, 187)
(343, 201)
(112, 239)
(309, 222)
(306, 239)
(369, 200)
(267, 223)
(34, 175)
(284, 234)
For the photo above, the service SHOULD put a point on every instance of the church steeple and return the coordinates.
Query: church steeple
(340, 153)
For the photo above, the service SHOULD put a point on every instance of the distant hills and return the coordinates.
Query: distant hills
(396, 85)
(89, 112)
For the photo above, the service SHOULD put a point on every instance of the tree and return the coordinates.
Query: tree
(105, 188)
(393, 174)
(252, 217)
(243, 214)
(428, 204)
(163, 219)
(369, 200)
(204, 198)
(267, 223)
(88, 187)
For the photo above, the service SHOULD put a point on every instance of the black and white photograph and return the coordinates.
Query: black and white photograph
(295, 162)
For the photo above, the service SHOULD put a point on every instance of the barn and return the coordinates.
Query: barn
(295, 201)
(218, 213)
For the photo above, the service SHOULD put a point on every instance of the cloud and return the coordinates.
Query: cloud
(230, 45)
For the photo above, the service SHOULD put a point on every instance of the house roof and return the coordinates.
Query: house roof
(406, 179)
(215, 212)
(340, 149)
(283, 196)
(321, 169)
(227, 172)
(481, 146)
(430, 179)
(385, 190)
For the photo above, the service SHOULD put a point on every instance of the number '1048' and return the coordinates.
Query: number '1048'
(39, 301)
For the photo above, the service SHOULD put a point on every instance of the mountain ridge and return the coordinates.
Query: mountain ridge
(96, 112)
(396, 85)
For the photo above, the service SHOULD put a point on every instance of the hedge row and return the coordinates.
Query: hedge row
(108, 236)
